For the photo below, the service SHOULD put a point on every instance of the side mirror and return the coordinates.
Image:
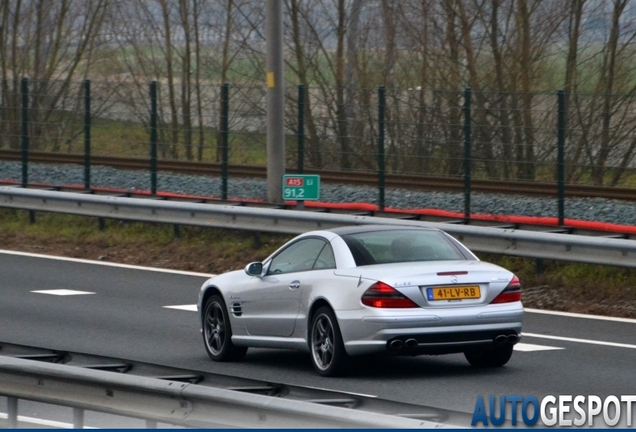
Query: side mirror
(254, 269)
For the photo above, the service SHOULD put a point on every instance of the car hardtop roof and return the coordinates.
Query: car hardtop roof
(355, 229)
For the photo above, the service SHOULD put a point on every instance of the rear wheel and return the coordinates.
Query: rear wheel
(328, 354)
(217, 332)
(489, 357)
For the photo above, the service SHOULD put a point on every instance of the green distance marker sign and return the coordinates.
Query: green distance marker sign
(301, 187)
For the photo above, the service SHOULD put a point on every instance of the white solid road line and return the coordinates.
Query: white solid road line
(578, 315)
(585, 341)
(105, 263)
(341, 391)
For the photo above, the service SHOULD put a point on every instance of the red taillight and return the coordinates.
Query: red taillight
(511, 293)
(381, 295)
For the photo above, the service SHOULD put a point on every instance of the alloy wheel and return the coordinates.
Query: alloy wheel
(215, 328)
(322, 341)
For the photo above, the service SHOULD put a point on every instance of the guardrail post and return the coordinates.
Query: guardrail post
(87, 134)
(78, 418)
(153, 137)
(25, 132)
(12, 413)
(301, 129)
(467, 151)
(381, 155)
(539, 266)
(561, 156)
(225, 114)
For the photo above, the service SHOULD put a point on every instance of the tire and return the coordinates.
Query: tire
(217, 332)
(328, 354)
(489, 357)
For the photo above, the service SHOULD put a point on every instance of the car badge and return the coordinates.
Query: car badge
(454, 279)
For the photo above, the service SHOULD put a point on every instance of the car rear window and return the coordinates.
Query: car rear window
(392, 246)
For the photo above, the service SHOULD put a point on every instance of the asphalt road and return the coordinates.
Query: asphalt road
(123, 313)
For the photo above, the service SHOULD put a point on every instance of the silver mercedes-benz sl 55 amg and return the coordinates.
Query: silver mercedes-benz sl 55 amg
(349, 291)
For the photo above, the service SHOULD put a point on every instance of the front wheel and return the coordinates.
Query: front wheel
(489, 357)
(328, 354)
(217, 332)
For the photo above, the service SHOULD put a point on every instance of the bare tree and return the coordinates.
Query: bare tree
(300, 67)
(609, 102)
(51, 43)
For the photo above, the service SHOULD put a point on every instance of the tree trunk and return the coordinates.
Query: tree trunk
(526, 158)
(454, 165)
(314, 150)
(608, 75)
(502, 99)
(186, 84)
(341, 110)
(172, 99)
(225, 68)
(571, 75)
(197, 79)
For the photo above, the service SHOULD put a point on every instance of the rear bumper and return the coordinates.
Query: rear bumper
(441, 332)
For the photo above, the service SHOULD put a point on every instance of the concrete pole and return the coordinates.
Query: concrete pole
(275, 100)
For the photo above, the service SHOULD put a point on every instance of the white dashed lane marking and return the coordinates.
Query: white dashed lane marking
(42, 422)
(189, 307)
(62, 292)
(525, 347)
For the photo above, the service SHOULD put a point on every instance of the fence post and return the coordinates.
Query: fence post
(153, 137)
(381, 156)
(25, 132)
(467, 151)
(301, 129)
(225, 114)
(561, 156)
(87, 134)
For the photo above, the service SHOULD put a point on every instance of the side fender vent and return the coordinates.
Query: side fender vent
(236, 309)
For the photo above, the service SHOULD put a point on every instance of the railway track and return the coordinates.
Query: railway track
(332, 176)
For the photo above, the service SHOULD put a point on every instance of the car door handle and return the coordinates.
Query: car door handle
(294, 285)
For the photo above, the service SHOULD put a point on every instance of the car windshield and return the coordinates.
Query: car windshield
(393, 246)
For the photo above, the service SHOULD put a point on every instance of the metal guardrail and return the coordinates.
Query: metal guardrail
(173, 402)
(540, 245)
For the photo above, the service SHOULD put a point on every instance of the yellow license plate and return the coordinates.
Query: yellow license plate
(453, 293)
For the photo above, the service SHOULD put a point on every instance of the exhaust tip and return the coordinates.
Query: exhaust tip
(396, 344)
(411, 343)
(513, 338)
(501, 339)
